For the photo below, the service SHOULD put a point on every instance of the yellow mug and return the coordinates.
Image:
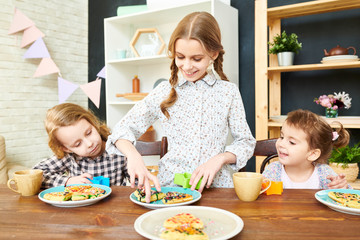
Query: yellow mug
(248, 185)
(27, 182)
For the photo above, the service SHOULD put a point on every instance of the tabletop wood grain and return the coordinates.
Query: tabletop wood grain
(295, 214)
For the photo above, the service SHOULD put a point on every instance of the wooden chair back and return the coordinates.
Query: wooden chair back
(266, 148)
(152, 148)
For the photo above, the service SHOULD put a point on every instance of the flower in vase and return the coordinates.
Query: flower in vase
(334, 101)
(344, 98)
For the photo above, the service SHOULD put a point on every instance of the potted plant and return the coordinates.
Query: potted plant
(285, 46)
(345, 160)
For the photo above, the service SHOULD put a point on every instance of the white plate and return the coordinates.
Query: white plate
(322, 196)
(218, 223)
(340, 57)
(159, 204)
(79, 203)
(340, 60)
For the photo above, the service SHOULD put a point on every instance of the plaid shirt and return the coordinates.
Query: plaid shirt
(58, 171)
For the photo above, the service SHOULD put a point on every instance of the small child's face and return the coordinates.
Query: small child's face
(191, 59)
(292, 146)
(80, 138)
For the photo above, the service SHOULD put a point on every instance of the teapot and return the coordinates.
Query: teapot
(339, 51)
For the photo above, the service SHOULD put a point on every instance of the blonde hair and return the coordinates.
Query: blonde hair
(200, 26)
(319, 132)
(67, 114)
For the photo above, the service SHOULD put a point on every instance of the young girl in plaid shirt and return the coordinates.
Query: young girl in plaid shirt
(77, 139)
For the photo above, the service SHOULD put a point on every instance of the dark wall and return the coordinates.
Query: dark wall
(316, 32)
(98, 10)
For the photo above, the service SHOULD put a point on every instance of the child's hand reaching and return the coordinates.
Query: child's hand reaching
(337, 181)
(83, 178)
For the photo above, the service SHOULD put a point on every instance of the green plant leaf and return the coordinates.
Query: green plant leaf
(346, 155)
(284, 43)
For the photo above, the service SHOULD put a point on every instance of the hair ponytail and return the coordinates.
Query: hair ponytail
(343, 137)
(170, 101)
(218, 66)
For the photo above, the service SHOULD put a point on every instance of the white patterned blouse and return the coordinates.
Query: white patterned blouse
(197, 129)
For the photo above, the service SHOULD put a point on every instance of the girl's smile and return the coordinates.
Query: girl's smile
(191, 59)
(292, 146)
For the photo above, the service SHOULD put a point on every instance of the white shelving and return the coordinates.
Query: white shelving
(120, 72)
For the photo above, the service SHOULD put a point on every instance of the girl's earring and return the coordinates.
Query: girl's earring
(211, 66)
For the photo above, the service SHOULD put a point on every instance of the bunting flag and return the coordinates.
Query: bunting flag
(20, 22)
(37, 50)
(65, 89)
(46, 66)
(92, 90)
(31, 34)
(102, 73)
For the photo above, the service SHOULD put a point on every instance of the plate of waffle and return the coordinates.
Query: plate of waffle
(75, 195)
(168, 197)
(189, 222)
(341, 200)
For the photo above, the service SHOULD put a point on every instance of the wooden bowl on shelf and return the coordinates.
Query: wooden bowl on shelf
(132, 96)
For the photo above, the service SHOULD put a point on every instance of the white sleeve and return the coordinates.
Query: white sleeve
(244, 143)
(138, 119)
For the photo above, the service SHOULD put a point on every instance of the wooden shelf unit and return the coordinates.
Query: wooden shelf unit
(268, 72)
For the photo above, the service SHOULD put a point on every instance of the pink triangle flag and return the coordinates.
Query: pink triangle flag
(65, 89)
(37, 50)
(102, 73)
(92, 90)
(30, 35)
(20, 22)
(46, 66)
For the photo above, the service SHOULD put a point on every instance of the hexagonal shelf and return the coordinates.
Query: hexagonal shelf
(147, 42)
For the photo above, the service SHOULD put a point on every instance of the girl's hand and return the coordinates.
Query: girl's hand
(337, 181)
(137, 169)
(207, 171)
(83, 178)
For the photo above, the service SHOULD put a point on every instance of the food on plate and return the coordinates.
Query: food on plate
(155, 195)
(352, 203)
(183, 219)
(94, 192)
(75, 193)
(184, 233)
(176, 197)
(351, 200)
(183, 226)
(77, 188)
(58, 196)
(79, 196)
(85, 190)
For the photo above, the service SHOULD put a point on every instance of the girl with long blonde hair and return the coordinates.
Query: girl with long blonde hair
(196, 111)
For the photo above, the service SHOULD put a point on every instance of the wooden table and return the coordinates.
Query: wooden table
(296, 214)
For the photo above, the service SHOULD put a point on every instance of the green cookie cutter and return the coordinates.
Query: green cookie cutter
(183, 180)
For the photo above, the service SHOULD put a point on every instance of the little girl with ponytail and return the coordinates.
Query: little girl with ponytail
(305, 144)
